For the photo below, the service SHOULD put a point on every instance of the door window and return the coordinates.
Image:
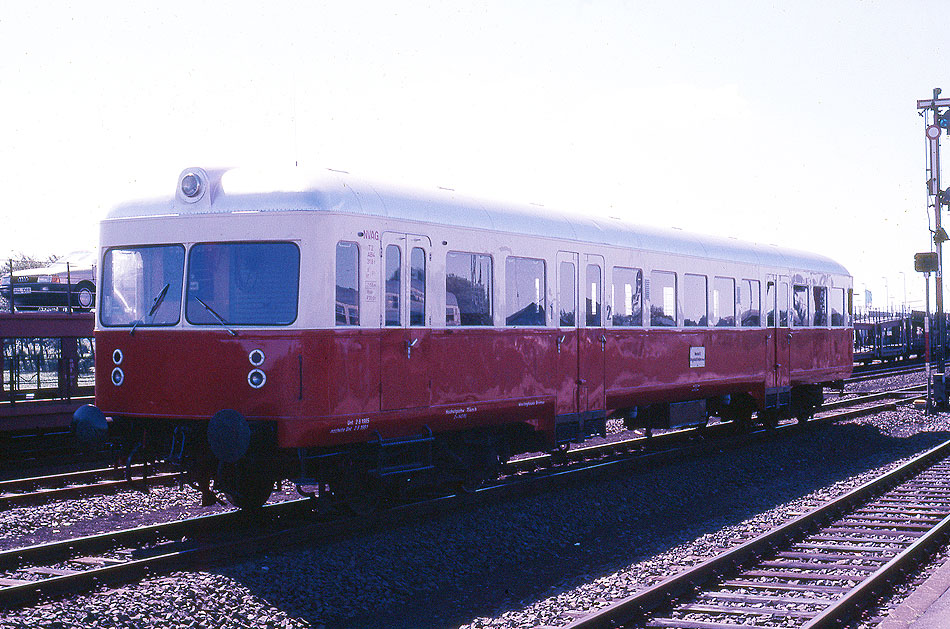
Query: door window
(800, 306)
(567, 297)
(594, 318)
(417, 287)
(393, 263)
(347, 283)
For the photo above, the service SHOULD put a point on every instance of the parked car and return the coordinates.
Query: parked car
(50, 286)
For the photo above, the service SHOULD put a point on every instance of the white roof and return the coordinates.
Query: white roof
(296, 189)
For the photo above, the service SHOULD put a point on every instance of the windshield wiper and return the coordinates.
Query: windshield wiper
(216, 316)
(158, 300)
(155, 304)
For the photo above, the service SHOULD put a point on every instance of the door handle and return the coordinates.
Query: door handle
(603, 342)
(560, 340)
(409, 346)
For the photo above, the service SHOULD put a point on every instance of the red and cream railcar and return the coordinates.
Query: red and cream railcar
(352, 331)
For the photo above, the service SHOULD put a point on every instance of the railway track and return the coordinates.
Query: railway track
(36, 490)
(27, 574)
(815, 571)
(21, 451)
(883, 372)
(73, 485)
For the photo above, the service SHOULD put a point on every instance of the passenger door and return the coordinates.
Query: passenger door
(567, 334)
(780, 332)
(592, 339)
(406, 321)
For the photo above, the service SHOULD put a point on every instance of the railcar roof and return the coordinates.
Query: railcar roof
(244, 190)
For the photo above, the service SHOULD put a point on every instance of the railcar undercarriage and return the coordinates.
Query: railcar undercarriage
(241, 460)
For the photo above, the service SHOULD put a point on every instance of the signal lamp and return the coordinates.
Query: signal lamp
(256, 378)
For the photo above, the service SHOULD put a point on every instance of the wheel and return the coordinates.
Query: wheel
(245, 489)
(85, 295)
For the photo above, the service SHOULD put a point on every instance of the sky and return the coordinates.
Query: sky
(791, 123)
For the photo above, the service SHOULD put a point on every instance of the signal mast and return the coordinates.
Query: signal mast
(936, 114)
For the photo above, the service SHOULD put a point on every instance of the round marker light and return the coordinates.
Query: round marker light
(118, 377)
(256, 357)
(117, 356)
(256, 378)
(191, 185)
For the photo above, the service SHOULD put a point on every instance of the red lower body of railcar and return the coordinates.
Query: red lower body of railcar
(326, 388)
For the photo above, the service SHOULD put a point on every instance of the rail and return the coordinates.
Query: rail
(817, 570)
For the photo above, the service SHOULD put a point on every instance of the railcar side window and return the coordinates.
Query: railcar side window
(417, 286)
(800, 306)
(749, 307)
(347, 283)
(821, 305)
(694, 301)
(594, 318)
(243, 283)
(393, 263)
(142, 286)
(627, 297)
(662, 298)
(837, 307)
(724, 302)
(468, 285)
(525, 291)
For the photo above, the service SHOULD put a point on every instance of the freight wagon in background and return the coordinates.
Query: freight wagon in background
(48, 370)
(354, 336)
(888, 336)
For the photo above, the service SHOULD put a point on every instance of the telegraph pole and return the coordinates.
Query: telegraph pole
(936, 115)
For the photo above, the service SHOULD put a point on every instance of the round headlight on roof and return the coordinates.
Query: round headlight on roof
(191, 185)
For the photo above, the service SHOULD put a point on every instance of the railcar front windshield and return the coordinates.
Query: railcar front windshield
(141, 286)
(243, 283)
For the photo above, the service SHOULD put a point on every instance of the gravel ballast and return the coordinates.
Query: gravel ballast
(523, 563)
